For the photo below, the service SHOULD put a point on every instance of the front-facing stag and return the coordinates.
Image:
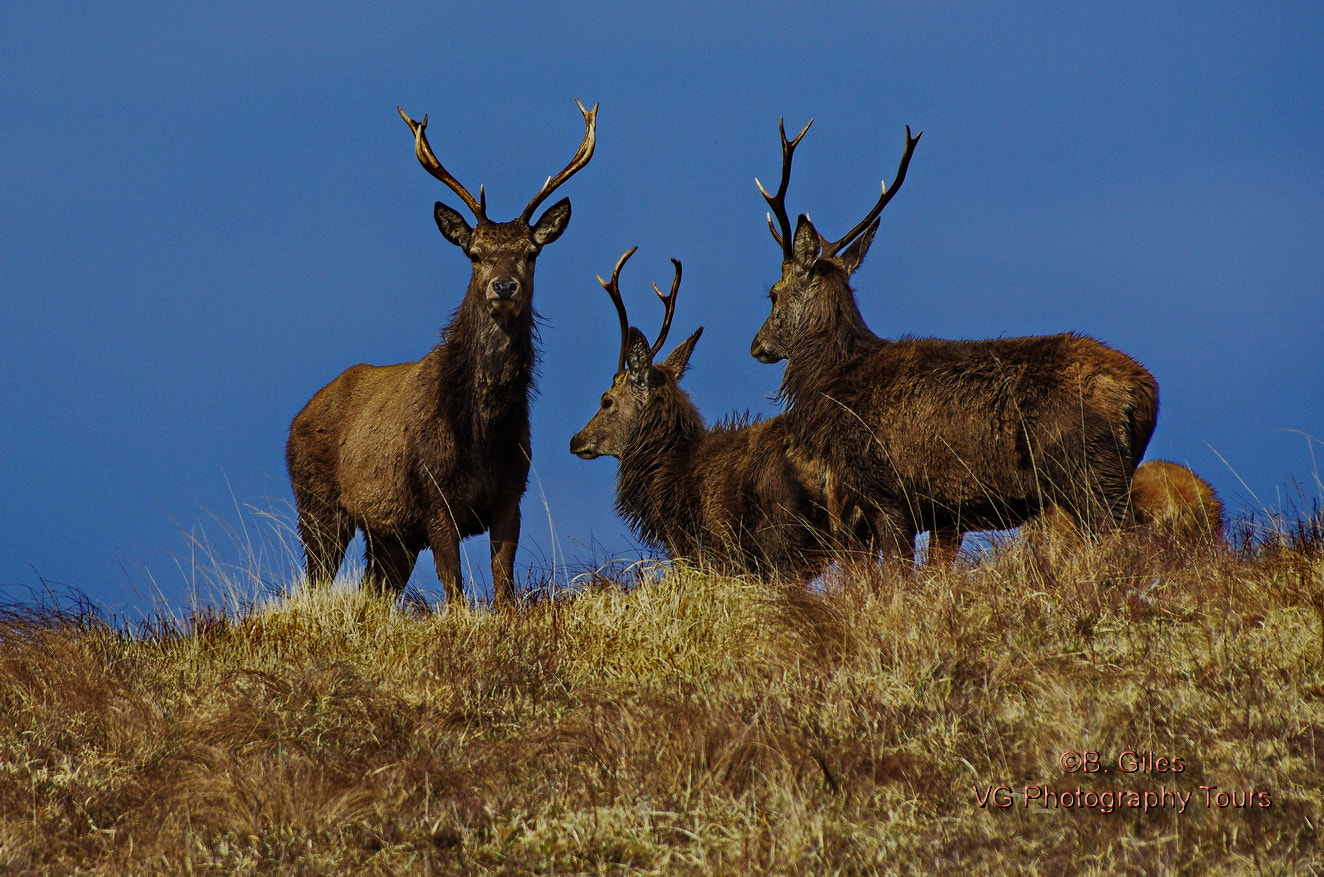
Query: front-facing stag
(733, 497)
(945, 436)
(424, 454)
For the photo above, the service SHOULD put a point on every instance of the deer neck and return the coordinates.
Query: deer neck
(831, 343)
(652, 491)
(483, 370)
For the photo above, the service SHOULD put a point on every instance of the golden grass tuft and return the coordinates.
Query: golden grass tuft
(692, 724)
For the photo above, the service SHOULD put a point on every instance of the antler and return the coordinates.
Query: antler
(613, 288)
(669, 305)
(430, 164)
(581, 158)
(778, 202)
(831, 248)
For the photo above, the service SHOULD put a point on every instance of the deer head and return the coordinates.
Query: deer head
(503, 253)
(641, 392)
(813, 294)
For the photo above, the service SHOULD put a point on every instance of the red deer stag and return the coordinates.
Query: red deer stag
(729, 497)
(945, 436)
(424, 454)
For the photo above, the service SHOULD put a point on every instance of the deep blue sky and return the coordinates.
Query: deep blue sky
(211, 211)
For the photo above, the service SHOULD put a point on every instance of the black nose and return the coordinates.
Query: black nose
(505, 289)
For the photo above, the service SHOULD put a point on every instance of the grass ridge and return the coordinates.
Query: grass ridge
(691, 723)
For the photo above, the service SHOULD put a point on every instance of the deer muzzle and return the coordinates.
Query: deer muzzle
(583, 447)
(760, 351)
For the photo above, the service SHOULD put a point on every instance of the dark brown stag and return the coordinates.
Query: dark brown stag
(424, 454)
(730, 497)
(945, 436)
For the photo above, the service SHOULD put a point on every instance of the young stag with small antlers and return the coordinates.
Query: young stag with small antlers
(730, 497)
(424, 454)
(944, 436)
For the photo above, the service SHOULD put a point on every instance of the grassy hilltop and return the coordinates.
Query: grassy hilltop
(683, 723)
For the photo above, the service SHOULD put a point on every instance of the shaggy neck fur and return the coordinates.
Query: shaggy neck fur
(832, 333)
(652, 492)
(481, 375)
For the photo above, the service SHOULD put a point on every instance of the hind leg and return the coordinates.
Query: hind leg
(390, 561)
(1105, 502)
(1093, 488)
(325, 531)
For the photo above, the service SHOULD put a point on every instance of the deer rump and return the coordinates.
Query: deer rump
(929, 434)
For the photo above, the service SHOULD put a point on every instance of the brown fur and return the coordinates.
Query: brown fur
(1170, 497)
(949, 436)
(737, 497)
(424, 454)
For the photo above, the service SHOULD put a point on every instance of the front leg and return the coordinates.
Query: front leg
(504, 536)
(895, 535)
(444, 540)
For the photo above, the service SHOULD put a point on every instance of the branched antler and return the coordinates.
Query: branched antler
(669, 305)
(831, 248)
(614, 290)
(582, 155)
(428, 159)
(778, 202)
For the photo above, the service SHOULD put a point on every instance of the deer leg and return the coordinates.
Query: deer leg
(895, 537)
(444, 540)
(504, 536)
(944, 546)
(1101, 500)
(325, 532)
(390, 561)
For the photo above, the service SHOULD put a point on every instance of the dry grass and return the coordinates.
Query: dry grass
(691, 724)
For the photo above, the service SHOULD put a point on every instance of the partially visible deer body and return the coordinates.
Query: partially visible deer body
(937, 435)
(734, 497)
(424, 454)
(1171, 498)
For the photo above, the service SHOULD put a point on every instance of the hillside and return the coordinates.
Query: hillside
(672, 722)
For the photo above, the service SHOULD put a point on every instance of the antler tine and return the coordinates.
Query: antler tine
(778, 202)
(832, 248)
(430, 164)
(614, 290)
(582, 155)
(669, 305)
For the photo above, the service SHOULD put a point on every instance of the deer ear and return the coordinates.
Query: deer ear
(807, 244)
(639, 360)
(553, 221)
(855, 253)
(453, 226)
(679, 359)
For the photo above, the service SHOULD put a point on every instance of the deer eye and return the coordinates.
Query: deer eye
(606, 403)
